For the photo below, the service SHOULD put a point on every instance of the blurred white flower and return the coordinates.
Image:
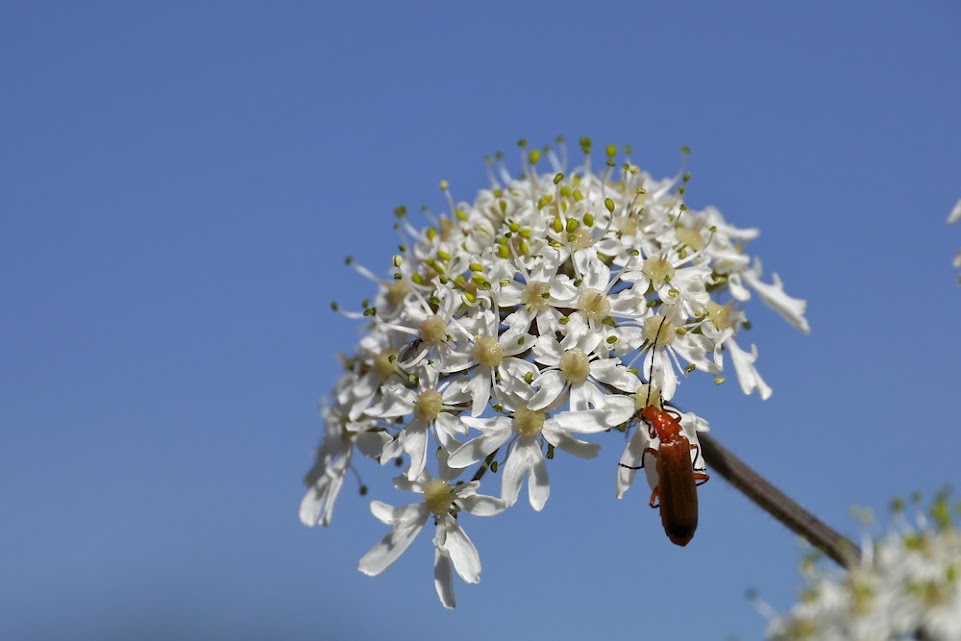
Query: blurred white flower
(908, 586)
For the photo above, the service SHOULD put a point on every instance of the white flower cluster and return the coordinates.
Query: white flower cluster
(515, 324)
(907, 587)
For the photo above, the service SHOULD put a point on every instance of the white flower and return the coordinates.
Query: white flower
(452, 547)
(525, 432)
(326, 477)
(908, 586)
(431, 407)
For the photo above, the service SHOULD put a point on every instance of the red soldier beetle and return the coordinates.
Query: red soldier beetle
(677, 478)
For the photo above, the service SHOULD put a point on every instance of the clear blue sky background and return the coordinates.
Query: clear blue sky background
(179, 186)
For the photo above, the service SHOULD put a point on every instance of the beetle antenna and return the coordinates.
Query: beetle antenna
(650, 373)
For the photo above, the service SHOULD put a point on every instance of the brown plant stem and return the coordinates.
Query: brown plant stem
(779, 505)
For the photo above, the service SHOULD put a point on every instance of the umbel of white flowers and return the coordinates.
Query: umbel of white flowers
(907, 586)
(514, 324)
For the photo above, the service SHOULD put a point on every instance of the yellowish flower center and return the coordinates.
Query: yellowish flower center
(648, 396)
(428, 406)
(488, 351)
(385, 363)
(528, 422)
(574, 366)
(720, 315)
(581, 238)
(439, 497)
(690, 236)
(397, 291)
(534, 295)
(658, 269)
(433, 330)
(594, 305)
(659, 331)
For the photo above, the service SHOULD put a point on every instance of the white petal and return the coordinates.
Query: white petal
(747, 375)
(617, 409)
(414, 440)
(518, 462)
(391, 515)
(564, 441)
(477, 448)
(482, 505)
(461, 550)
(538, 485)
(551, 385)
(382, 555)
(632, 457)
(792, 309)
(443, 579)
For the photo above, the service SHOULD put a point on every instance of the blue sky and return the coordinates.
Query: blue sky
(180, 184)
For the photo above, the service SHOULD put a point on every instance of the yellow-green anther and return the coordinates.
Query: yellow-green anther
(611, 340)
(503, 206)
(557, 225)
(334, 306)
(443, 255)
(534, 156)
(610, 162)
(589, 219)
(444, 185)
(673, 293)
(431, 233)
(460, 214)
(685, 150)
(476, 267)
(652, 304)
(611, 151)
(543, 201)
(585, 145)
(713, 229)
(528, 377)
(400, 211)
(503, 252)
(564, 320)
(514, 227)
(418, 279)
(690, 367)
(525, 233)
(628, 149)
(460, 281)
(480, 279)
(469, 298)
(687, 176)
(640, 191)
(370, 311)
(682, 207)
(746, 324)
(571, 225)
(719, 380)
(566, 191)
(494, 467)
(558, 177)
(609, 204)
(680, 331)
(577, 195)
(522, 143)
